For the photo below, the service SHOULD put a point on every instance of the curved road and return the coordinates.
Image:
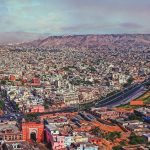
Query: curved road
(125, 96)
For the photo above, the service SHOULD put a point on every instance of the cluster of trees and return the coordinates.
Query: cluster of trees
(113, 135)
(129, 81)
(3, 82)
(108, 136)
(134, 117)
(86, 106)
(119, 147)
(1, 104)
(32, 117)
(96, 131)
(80, 82)
(134, 139)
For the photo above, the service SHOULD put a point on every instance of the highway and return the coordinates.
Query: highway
(125, 96)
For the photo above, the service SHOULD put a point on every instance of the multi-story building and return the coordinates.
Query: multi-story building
(71, 98)
(9, 131)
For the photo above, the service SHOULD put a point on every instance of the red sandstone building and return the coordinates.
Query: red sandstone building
(33, 131)
(38, 108)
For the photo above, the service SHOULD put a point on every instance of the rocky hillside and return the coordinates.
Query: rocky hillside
(91, 41)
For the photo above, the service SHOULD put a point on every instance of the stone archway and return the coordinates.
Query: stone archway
(30, 129)
(33, 136)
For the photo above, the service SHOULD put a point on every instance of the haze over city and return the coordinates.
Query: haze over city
(74, 75)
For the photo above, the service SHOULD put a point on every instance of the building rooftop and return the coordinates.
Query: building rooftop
(56, 120)
(19, 146)
(9, 128)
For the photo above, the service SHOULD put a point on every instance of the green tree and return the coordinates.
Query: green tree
(17, 106)
(123, 143)
(134, 139)
(32, 117)
(113, 135)
(46, 105)
(3, 82)
(129, 81)
(1, 104)
(134, 117)
(92, 69)
(96, 131)
(118, 147)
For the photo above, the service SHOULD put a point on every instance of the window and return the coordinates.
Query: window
(9, 138)
(5, 138)
(13, 137)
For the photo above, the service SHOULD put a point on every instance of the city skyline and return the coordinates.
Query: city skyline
(75, 17)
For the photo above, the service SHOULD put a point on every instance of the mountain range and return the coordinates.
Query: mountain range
(76, 41)
(90, 41)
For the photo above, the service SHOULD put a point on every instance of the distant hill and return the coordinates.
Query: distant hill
(19, 37)
(91, 41)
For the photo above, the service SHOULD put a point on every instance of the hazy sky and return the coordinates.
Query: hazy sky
(75, 16)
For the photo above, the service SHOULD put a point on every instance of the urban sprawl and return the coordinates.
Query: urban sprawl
(93, 95)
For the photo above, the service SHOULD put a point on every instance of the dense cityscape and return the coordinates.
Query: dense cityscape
(88, 96)
(74, 75)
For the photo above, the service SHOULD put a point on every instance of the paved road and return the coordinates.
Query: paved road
(125, 96)
(10, 110)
